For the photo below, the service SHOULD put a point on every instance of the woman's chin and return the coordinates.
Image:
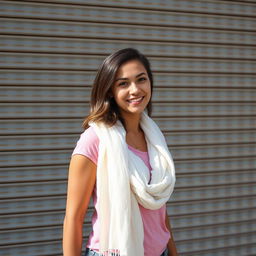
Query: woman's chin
(134, 111)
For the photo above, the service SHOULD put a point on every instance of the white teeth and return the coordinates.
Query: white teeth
(136, 100)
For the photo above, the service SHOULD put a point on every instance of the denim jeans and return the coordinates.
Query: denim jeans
(90, 252)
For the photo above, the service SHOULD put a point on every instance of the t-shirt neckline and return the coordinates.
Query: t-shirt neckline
(135, 149)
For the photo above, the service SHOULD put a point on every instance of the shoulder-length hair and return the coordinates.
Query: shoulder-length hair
(103, 107)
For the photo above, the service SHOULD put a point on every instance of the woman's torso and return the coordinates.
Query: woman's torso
(156, 234)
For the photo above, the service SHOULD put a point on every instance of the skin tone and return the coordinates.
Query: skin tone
(81, 180)
(132, 93)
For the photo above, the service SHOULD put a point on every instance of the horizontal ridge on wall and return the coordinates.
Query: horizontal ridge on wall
(185, 153)
(19, 44)
(62, 141)
(175, 95)
(52, 233)
(33, 61)
(128, 32)
(73, 125)
(31, 220)
(74, 110)
(124, 16)
(183, 192)
(227, 170)
(240, 8)
(74, 78)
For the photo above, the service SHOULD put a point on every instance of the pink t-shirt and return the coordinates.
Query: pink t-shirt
(156, 234)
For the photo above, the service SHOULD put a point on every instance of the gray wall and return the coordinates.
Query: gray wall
(203, 58)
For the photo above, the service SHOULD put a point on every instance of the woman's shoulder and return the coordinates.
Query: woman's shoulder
(90, 135)
(88, 144)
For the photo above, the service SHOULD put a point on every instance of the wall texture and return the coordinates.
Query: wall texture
(203, 58)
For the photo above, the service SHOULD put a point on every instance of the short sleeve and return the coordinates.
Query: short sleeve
(88, 145)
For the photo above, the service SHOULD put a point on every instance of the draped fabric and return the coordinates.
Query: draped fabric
(123, 182)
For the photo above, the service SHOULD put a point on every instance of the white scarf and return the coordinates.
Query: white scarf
(122, 183)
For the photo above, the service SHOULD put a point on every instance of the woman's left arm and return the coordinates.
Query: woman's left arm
(171, 245)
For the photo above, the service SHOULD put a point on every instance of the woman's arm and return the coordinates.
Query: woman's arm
(171, 245)
(81, 181)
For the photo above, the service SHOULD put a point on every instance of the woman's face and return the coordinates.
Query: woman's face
(131, 89)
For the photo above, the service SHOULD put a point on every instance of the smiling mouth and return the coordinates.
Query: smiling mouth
(137, 100)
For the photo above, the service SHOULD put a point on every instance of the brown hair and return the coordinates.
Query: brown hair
(103, 106)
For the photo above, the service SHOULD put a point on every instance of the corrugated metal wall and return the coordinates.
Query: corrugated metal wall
(203, 57)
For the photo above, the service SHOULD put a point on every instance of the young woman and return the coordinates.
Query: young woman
(123, 162)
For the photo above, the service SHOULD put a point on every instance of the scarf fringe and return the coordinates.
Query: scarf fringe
(110, 253)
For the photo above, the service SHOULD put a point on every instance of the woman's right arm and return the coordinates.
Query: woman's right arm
(81, 181)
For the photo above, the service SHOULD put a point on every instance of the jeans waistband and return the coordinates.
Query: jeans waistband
(89, 252)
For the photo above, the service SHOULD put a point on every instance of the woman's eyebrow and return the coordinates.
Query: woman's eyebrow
(143, 73)
(124, 78)
(121, 79)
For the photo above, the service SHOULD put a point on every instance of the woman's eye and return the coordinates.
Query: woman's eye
(142, 79)
(122, 83)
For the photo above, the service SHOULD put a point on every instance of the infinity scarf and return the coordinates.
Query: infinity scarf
(123, 182)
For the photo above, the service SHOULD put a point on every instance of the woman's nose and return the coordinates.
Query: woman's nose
(134, 87)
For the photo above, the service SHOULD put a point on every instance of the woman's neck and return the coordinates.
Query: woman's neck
(132, 123)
